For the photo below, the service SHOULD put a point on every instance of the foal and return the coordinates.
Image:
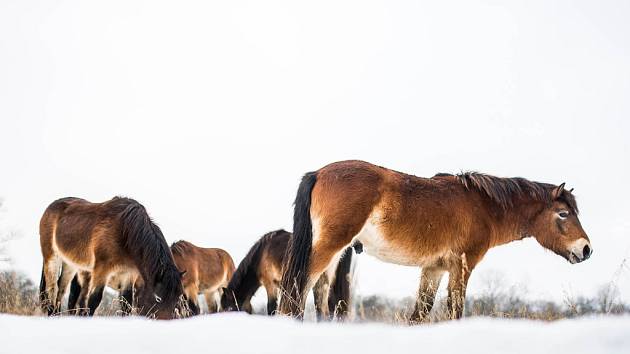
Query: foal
(262, 266)
(443, 224)
(103, 239)
(207, 271)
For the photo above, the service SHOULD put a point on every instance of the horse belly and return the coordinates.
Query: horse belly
(376, 245)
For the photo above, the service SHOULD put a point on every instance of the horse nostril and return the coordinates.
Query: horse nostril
(586, 252)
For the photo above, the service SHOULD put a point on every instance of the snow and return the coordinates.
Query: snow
(240, 333)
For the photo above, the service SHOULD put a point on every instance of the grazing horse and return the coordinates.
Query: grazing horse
(262, 266)
(443, 224)
(207, 271)
(104, 239)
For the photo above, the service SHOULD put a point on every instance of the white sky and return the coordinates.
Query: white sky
(209, 113)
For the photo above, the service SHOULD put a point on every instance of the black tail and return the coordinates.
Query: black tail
(339, 295)
(295, 268)
(244, 281)
(75, 291)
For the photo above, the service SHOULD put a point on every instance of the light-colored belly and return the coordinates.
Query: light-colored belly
(389, 250)
(378, 246)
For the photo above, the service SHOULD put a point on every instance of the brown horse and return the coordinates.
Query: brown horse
(443, 224)
(207, 271)
(103, 239)
(262, 266)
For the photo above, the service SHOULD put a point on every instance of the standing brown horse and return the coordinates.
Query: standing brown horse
(207, 271)
(262, 266)
(443, 224)
(103, 239)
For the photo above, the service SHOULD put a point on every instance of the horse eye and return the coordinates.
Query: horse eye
(157, 298)
(563, 214)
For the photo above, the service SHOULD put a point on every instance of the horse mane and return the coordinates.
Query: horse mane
(245, 278)
(144, 240)
(503, 191)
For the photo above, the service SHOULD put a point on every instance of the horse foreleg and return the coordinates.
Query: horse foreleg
(211, 300)
(83, 279)
(271, 289)
(430, 278)
(97, 286)
(126, 300)
(459, 273)
(191, 296)
(73, 295)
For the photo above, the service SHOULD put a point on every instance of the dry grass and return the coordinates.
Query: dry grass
(19, 295)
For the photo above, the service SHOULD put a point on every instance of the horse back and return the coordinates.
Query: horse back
(78, 231)
(207, 268)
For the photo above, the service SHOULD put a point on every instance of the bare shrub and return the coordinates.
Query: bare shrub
(18, 294)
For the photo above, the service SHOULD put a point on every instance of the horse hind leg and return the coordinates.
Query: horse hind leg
(320, 295)
(67, 274)
(325, 252)
(49, 285)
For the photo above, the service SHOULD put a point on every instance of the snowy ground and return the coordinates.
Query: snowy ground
(238, 333)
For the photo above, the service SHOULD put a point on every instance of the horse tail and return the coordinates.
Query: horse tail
(339, 295)
(244, 280)
(297, 258)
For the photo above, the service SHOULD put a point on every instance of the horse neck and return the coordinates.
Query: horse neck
(513, 223)
(245, 290)
(152, 264)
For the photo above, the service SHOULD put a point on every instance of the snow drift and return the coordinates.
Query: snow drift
(239, 333)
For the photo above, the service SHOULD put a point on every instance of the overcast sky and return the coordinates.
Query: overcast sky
(209, 113)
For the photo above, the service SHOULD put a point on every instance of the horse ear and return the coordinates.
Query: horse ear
(557, 193)
(571, 190)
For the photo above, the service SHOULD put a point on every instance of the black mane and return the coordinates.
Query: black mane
(146, 243)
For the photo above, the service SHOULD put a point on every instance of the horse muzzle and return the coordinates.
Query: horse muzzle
(580, 251)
